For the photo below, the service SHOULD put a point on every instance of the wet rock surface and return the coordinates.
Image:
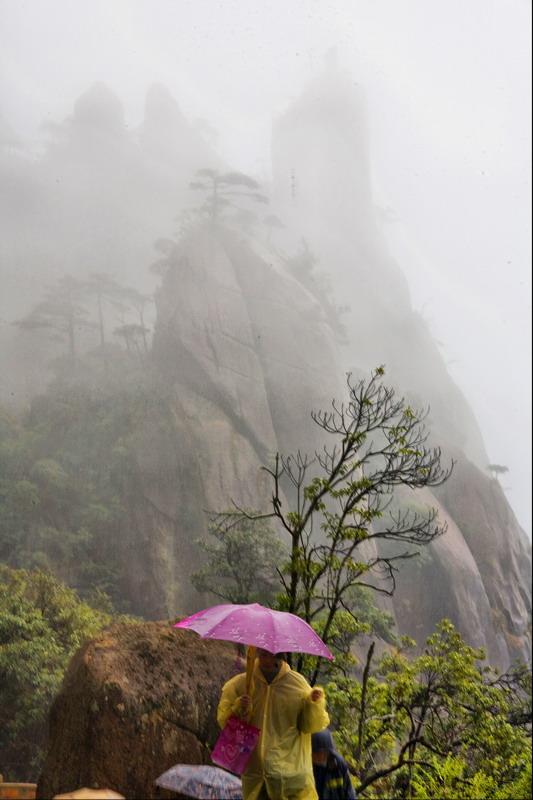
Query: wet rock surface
(136, 700)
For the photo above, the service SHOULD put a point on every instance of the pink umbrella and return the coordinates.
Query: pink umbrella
(255, 625)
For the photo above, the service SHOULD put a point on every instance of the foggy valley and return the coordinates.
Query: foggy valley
(191, 276)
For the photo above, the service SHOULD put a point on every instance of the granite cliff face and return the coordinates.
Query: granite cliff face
(249, 354)
(477, 573)
(247, 350)
(237, 380)
(242, 387)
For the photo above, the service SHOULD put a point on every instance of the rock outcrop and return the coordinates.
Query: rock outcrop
(136, 700)
(236, 380)
(500, 550)
(476, 573)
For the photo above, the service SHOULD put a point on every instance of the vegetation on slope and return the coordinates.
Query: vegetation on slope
(42, 624)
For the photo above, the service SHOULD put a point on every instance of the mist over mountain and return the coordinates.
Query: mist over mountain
(244, 329)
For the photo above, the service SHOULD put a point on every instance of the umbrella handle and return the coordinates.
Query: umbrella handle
(250, 662)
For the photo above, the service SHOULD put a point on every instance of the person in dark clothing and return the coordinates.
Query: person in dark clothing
(332, 776)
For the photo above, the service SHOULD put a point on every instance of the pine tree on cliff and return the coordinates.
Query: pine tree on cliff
(61, 313)
(223, 189)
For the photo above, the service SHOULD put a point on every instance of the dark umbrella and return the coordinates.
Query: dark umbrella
(201, 781)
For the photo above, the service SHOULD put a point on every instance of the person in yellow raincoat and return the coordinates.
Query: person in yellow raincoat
(287, 711)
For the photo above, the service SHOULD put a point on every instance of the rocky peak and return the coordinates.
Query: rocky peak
(161, 109)
(98, 115)
(321, 156)
(166, 136)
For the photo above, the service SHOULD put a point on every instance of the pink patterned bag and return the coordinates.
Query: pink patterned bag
(235, 745)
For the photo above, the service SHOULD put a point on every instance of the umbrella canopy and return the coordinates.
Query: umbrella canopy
(253, 624)
(201, 781)
(88, 794)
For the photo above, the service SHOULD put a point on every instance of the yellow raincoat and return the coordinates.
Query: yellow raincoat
(286, 716)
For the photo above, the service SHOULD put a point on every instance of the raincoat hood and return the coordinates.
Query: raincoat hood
(258, 674)
(323, 740)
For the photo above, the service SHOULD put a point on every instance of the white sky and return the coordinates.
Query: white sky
(449, 95)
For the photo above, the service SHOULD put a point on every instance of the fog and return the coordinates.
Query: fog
(448, 89)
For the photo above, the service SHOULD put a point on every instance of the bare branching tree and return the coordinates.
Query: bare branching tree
(341, 499)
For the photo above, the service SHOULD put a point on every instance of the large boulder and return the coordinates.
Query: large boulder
(136, 700)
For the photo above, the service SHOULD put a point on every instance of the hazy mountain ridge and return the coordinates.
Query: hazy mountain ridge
(247, 350)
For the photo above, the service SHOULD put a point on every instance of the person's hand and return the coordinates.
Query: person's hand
(245, 702)
(316, 694)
